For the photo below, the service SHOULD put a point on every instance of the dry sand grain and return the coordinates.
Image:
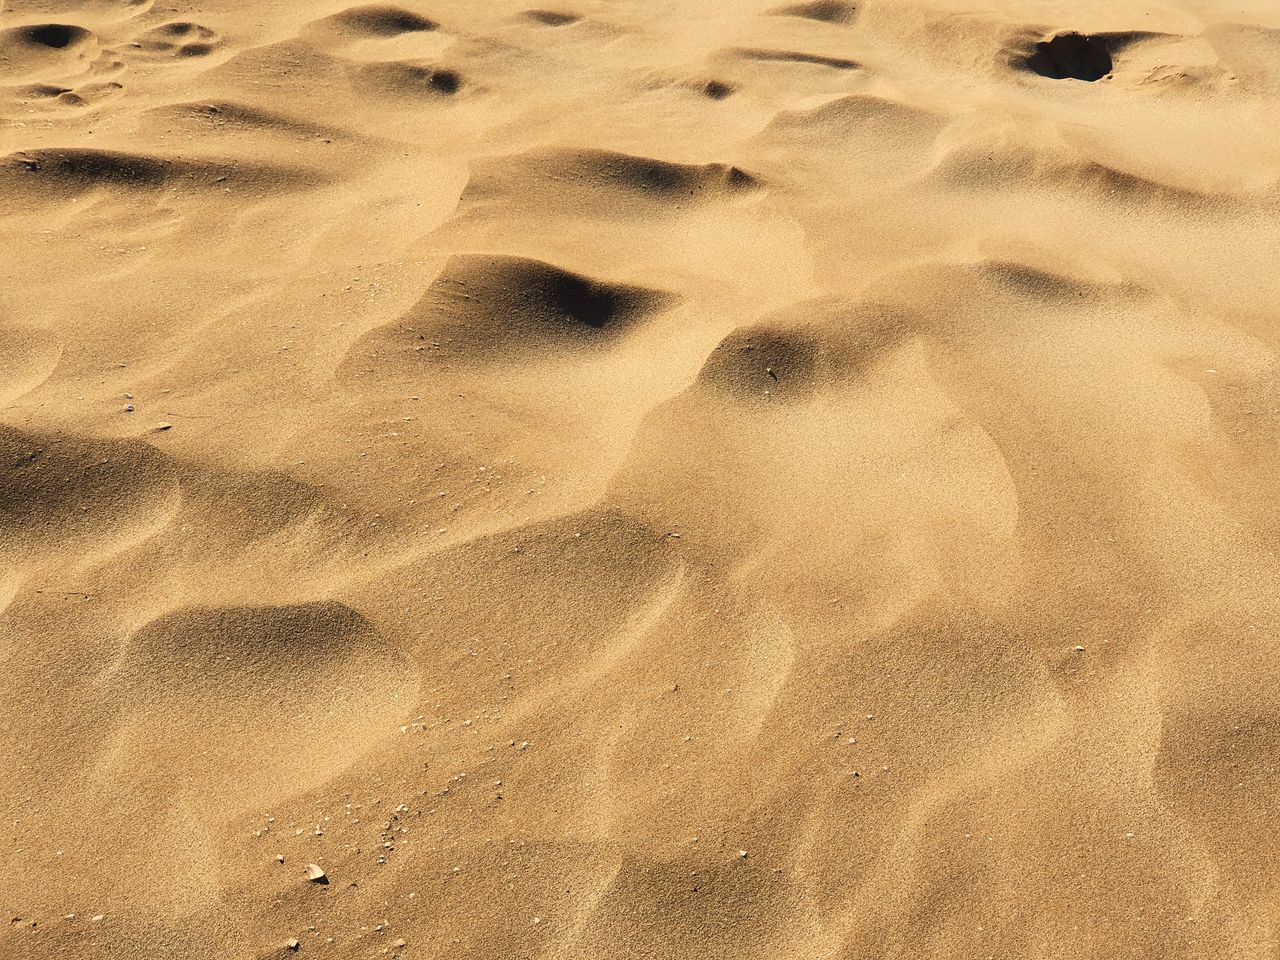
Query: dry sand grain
(639, 478)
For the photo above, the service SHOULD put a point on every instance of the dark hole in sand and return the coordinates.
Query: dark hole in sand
(445, 81)
(1071, 56)
(55, 35)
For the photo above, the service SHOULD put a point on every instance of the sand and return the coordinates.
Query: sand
(639, 479)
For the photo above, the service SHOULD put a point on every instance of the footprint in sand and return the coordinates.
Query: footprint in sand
(181, 39)
(46, 50)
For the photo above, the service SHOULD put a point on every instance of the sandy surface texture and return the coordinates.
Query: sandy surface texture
(673, 479)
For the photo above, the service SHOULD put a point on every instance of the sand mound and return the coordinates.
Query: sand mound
(411, 81)
(53, 174)
(557, 178)
(69, 489)
(485, 308)
(44, 49)
(383, 21)
(202, 652)
(823, 11)
(242, 119)
(378, 20)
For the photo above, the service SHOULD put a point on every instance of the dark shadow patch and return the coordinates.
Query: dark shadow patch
(1033, 283)
(824, 11)
(717, 89)
(563, 182)
(180, 39)
(51, 173)
(445, 81)
(486, 307)
(180, 29)
(89, 167)
(203, 646)
(646, 175)
(1077, 56)
(41, 91)
(1071, 56)
(793, 56)
(552, 18)
(231, 117)
(764, 364)
(409, 80)
(380, 20)
(56, 36)
(50, 483)
(813, 346)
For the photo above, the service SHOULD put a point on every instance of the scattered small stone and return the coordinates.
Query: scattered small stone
(98, 918)
(1079, 649)
(400, 944)
(742, 854)
(315, 874)
(293, 944)
(279, 858)
(129, 408)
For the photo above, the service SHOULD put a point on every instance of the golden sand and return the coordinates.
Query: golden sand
(639, 479)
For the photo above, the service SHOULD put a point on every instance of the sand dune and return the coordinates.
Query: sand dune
(639, 479)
